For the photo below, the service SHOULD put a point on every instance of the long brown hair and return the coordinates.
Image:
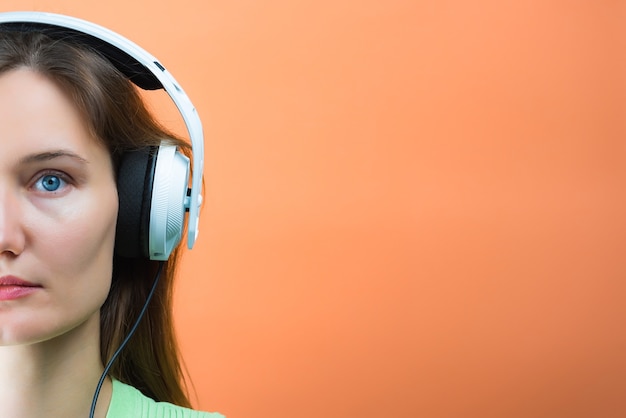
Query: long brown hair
(117, 116)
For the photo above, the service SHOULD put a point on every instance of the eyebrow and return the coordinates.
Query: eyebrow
(51, 155)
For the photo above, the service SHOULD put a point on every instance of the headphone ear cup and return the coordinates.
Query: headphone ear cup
(135, 177)
(169, 201)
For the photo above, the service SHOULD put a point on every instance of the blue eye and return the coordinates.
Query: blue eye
(49, 183)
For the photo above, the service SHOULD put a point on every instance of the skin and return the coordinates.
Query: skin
(58, 210)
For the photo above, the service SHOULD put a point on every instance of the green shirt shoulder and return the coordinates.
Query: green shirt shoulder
(128, 402)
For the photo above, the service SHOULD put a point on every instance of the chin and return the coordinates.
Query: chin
(28, 329)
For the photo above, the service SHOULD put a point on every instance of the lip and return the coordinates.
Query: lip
(12, 287)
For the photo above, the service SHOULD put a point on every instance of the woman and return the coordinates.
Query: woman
(67, 298)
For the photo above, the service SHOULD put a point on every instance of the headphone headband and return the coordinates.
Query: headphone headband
(139, 66)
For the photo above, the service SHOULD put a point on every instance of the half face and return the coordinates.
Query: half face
(58, 210)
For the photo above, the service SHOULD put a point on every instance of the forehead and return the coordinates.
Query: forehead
(35, 114)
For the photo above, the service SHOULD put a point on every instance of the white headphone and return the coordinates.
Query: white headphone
(152, 186)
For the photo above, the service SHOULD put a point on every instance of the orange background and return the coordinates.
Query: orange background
(414, 208)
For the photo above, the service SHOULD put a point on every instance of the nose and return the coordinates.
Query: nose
(12, 238)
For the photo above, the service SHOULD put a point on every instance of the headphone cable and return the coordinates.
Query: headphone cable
(130, 334)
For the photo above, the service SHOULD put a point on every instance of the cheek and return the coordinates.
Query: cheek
(77, 239)
(71, 254)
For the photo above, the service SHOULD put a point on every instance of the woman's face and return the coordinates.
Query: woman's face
(58, 210)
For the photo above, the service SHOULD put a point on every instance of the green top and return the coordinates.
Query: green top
(128, 402)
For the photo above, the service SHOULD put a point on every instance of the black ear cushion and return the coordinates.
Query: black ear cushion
(135, 176)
